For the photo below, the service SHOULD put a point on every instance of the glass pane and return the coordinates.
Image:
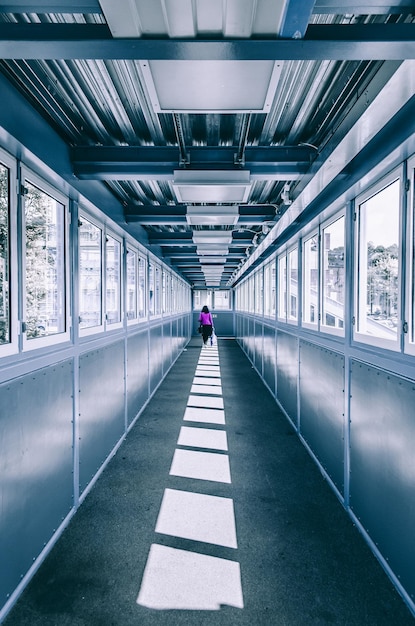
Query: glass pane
(45, 264)
(267, 294)
(131, 285)
(113, 281)
(90, 284)
(293, 285)
(142, 288)
(151, 281)
(165, 291)
(222, 299)
(282, 287)
(158, 291)
(4, 256)
(333, 275)
(378, 263)
(273, 280)
(310, 280)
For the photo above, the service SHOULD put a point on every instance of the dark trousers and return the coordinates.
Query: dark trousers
(206, 332)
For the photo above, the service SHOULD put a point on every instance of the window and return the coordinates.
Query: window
(113, 280)
(410, 281)
(202, 297)
(165, 290)
(273, 286)
(45, 262)
(131, 296)
(377, 266)
(223, 299)
(142, 286)
(157, 283)
(282, 287)
(292, 287)
(333, 278)
(310, 281)
(5, 320)
(151, 288)
(90, 275)
(259, 292)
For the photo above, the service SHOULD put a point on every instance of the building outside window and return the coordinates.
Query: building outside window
(113, 280)
(333, 274)
(282, 287)
(90, 274)
(142, 287)
(45, 284)
(292, 287)
(378, 265)
(223, 299)
(131, 299)
(310, 280)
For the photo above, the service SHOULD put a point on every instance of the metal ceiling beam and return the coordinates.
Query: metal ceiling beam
(51, 6)
(167, 215)
(333, 7)
(175, 255)
(156, 215)
(368, 7)
(159, 162)
(182, 239)
(321, 42)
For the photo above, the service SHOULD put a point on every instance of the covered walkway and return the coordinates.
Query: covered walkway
(211, 512)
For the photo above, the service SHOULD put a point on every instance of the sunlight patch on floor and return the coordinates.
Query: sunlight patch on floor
(187, 579)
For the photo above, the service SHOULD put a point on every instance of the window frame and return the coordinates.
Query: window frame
(118, 324)
(99, 328)
(282, 287)
(12, 346)
(359, 336)
(332, 330)
(292, 249)
(409, 313)
(30, 177)
(133, 251)
(315, 233)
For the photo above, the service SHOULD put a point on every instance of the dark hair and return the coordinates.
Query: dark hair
(205, 309)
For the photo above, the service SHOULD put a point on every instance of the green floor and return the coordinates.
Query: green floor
(300, 559)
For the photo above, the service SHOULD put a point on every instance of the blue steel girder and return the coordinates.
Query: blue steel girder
(321, 42)
(50, 6)
(159, 162)
(332, 7)
(186, 239)
(168, 215)
(296, 17)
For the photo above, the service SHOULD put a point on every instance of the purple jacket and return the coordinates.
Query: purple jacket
(206, 319)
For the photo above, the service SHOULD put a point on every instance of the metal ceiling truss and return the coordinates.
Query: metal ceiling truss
(159, 162)
(180, 233)
(334, 7)
(390, 41)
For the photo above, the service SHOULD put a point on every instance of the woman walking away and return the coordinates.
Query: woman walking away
(205, 318)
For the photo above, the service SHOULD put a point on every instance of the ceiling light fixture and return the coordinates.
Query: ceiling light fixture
(214, 186)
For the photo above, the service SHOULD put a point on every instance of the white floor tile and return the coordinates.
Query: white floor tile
(201, 465)
(209, 390)
(177, 579)
(203, 438)
(208, 416)
(198, 517)
(206, 402)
